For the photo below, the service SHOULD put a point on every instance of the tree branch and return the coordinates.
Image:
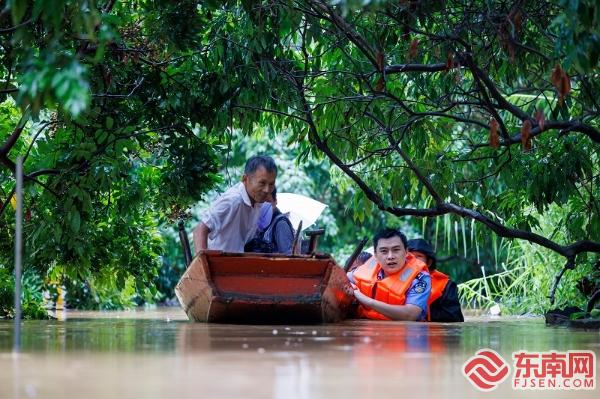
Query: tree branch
(7, 200)
(565, 126)
(346, 29)
(401, 68)
(494, 92)
(14, 28)
(12, 139)
(31, 177)
(411, 165)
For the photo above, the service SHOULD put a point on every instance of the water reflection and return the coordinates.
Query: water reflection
(364, 338)
(158, 353)
(168, 331)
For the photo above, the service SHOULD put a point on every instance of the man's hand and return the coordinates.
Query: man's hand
(362, 298)
(394, 312)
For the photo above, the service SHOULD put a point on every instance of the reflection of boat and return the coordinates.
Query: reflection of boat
(264, 288)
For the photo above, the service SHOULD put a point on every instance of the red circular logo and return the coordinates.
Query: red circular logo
(486, 370)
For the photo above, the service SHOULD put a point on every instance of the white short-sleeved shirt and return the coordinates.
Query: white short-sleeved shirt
(232, 220)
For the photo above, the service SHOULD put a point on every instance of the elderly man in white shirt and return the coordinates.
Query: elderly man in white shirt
(231, 220)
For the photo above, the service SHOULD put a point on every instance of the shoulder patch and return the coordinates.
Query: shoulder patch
(419, 287)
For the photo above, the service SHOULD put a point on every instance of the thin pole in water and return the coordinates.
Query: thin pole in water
(18, 247)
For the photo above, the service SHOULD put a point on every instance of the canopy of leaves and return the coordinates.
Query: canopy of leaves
(469, 108)
(482, 110)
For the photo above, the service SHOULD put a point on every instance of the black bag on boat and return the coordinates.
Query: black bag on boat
(264, 242)
(447, 307)
(260, 245)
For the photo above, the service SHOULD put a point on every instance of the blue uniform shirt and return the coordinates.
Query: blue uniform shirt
(417, 294)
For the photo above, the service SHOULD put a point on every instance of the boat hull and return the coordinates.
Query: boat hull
(223, 287)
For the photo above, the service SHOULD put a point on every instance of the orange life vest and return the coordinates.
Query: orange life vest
(391, 289)
(438, 283)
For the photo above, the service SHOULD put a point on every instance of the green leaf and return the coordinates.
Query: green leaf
(75, 221)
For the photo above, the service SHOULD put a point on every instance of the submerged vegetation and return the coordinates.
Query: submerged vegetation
(473, 124)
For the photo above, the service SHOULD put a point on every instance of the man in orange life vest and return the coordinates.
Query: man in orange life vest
(394, 284)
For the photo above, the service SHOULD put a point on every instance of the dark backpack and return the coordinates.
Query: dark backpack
(447, 307)
(264, 242)
(259, 245)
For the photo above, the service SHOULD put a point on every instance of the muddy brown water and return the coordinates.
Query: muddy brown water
(159, 354)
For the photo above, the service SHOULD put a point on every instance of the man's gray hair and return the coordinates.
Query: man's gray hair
(257, 161)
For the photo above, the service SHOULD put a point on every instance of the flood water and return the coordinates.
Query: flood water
(159, 354)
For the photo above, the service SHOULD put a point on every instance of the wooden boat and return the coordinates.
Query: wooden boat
(252, 288)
